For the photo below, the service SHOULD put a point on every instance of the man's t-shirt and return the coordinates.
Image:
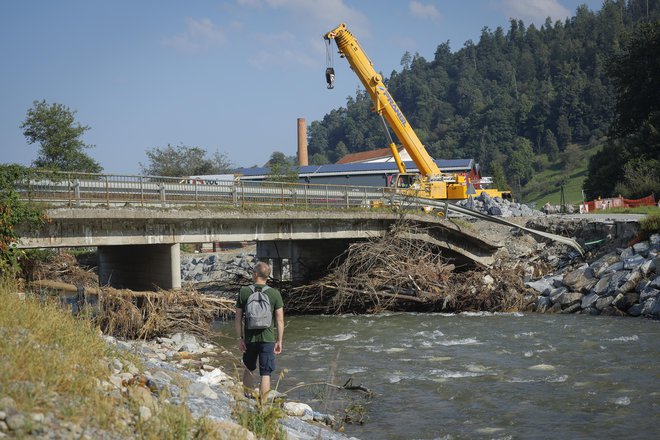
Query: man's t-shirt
(266, 334)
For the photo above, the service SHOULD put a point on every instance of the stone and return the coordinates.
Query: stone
(7, 403)
(569, 298)
(543, 285)
(635, 310)
(572, 308)
(648, 293)
(556, 294)
(603, 302)
(214, 377)
(141, 396)
(542, 304)
(642, 248)
(626, 253)
(599, 266)
(633, 262)
(144, 413)
(580, 279)
(199, 389)
(16, 421)
(614, 267)
(589, 300)
(631, 281)
(646, 267)
(296, 409)
(494, 210)
(623, 301)
(655, 283)
(228, 430)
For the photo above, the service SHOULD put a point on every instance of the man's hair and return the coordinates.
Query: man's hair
(262, 269)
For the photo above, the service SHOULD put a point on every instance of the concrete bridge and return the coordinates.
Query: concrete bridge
(138, 248)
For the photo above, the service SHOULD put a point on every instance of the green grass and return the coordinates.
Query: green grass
(52, 362)
(545, 186)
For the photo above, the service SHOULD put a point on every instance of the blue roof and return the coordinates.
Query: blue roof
(361, 168)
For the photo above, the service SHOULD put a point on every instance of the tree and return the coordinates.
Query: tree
(282, 168)
(499, 179)
(183, 160)
(61, 148)
(12, 212)
(635, 133)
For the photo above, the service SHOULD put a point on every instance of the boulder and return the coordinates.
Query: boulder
(603, 302)
(635, 310)
(648, 293)
(623, 301)
(580, 279)
(296, 409)
(199, 389)
(567, 299)
(626, 253)
(589, 300)
(631, 281)
(542, 304)
(633, 262)
(642, 248)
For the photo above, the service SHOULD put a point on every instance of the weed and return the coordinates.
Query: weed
(650, 225)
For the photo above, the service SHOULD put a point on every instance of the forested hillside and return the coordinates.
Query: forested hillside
(519, 98)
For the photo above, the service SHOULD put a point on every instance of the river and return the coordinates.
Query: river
(480, 376)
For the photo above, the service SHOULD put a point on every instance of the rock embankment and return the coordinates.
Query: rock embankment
(214, 267)
(497, 206)
(621, 282)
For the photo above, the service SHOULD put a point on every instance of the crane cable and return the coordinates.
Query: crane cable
(329, 62)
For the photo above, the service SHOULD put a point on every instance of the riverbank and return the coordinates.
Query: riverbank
(61, 378)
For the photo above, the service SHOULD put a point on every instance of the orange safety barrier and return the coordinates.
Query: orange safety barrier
(644, 201)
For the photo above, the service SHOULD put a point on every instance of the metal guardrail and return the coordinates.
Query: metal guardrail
(111, 190)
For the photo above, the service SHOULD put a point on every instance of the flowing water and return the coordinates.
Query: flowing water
(490, 376)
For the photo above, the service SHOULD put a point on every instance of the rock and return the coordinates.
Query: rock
(296, 409)
(626, 253)
(603, 302)
(494, 210)
(589, 300)
(141, 396)
(655, 283)
(635, 310)
(633, 262)
(214, 377)
(569, 298)
(623, 301)
(145, 413)
(614, 267)
(580, 279)
(228, 430)
(631, 281)
(16, 421)
(199, 389)
(572, 308)
(648, 293)
(543, 285)
(7, 403)
(642, 248)
(556, 294)
(542, 304)
(601, 265)
(646, 267)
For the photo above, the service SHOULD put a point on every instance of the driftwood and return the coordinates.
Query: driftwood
(398, 272)
(149, 314)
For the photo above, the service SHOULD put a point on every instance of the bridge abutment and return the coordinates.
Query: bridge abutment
(140, 267)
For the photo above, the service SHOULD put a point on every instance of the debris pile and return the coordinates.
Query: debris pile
(146, 315)
(497, 206)
(399, 273)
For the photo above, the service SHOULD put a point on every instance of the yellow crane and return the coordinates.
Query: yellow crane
(430, 182)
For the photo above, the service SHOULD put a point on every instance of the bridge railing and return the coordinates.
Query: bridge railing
(109, 190)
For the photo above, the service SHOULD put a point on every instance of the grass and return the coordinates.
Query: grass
(545, 186)
(53, 363)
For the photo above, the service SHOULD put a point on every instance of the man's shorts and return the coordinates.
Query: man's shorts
(265, 352)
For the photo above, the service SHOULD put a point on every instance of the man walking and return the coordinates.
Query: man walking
(259, 309)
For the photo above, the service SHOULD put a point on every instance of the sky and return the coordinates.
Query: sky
(228, 76)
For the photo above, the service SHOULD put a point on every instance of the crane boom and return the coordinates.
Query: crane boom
(384, 104)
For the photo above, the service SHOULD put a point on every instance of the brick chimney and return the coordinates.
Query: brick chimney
(302, 143)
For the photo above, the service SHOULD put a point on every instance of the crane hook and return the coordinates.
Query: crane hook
(330, 77)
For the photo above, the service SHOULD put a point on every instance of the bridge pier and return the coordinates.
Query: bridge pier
(300, 260)
(140, 267)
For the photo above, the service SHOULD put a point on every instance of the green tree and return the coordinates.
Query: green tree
(282, 168)
(183, 160)
(54, 128)
(499, 178)
(635, 133)
(12, 212)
